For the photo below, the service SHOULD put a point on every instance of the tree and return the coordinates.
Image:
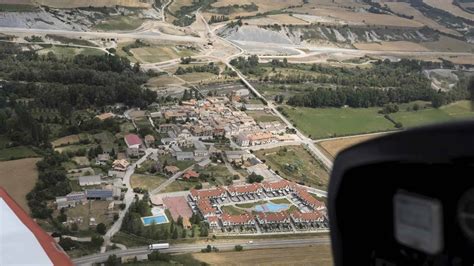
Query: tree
(113, 260)
(67, 243)
(184, 233)
(101, 228)
(238, 248)
(180, 221)
(175, 233)
(97, 241)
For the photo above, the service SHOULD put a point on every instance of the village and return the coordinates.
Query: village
(189, 141)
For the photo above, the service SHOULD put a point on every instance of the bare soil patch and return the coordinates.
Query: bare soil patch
(333, 147)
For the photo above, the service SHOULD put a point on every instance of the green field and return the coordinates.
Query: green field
(296, 164)
(333, 122)
(120, 23)
(450, 112)
(17, 152)
(232, 210)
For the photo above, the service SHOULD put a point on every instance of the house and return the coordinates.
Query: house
(307, 218)
(76, 196)
(117, 174)
(90, 180)
(237, 156)
(190, 174)
(171, 169)
(309, 200)
(245, 189)
(201, 154)
(273, 218)
(120, 165)
(208, 193)
(133, 152)
(237, 220)
(184, 156)
(100, 194)
(102, 159)
(63, 202)
(133, 141)
(149, 140)
(204, 163)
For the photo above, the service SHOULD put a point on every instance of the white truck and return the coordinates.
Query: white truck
(159, 246)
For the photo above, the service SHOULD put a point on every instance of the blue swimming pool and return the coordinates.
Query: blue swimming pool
(271, 207)
(159, 219)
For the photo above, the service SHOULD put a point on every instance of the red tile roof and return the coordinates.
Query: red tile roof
(207, 193)
(190, 174)
(282, 184)
(308, 216)
(212, 219)
(251, 188)
(305, 196)
(205, 206)
(273, 216)
(132, 139)
(237, 219)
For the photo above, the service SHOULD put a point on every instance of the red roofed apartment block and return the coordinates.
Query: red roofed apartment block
(277, 186)
(133, 141)
(24, 241)
(245, 189)
(208, 193)
(237, 220)
(273, 218)
(309, 200)
(205, 208)
(309, 217)
(213, 221)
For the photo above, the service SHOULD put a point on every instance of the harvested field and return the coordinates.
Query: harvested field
(162, 81)
(407, 9)
(350, 17)
(262, 116)
(263, 5)
(69, 52)
(277, 19)
(17, 152)
(198, 77)
(120, 23)
(71, 139)
(449, 7)
(316, 255)
(154, 54)
(333, 147)
(97, 3)
(18, 178)
(392, 46)
(447, 44)
(462, 60)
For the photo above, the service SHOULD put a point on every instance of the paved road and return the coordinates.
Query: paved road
(223, 246)
(146, 34)
(128, 198)
(169, 181)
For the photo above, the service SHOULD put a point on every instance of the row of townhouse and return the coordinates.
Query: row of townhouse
(309, 200)
(307, 217)
(256, 138)
(264, 218)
